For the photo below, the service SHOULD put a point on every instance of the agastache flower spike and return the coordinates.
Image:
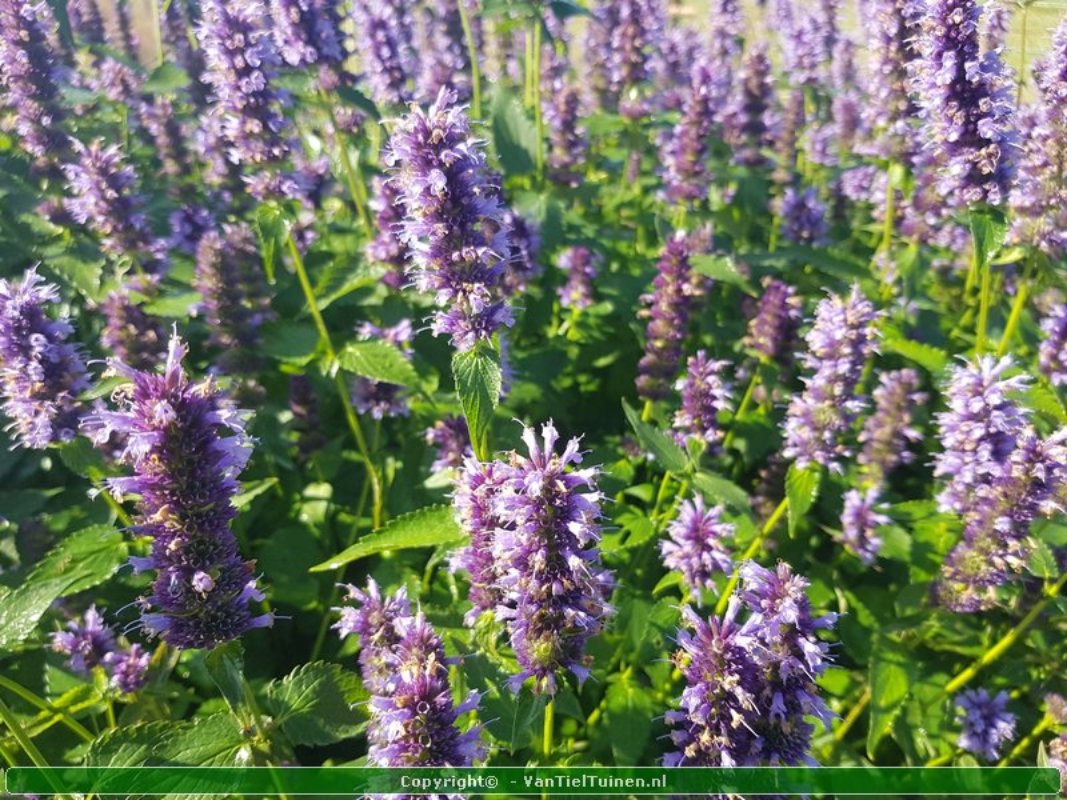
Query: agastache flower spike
(987, 723)
(568, 140)
(888, 433)
(186, 448)
(452, 443)
(860, 520)
(705, 395)
(695, 545)
(387, 248)
(1052, 354)
(443, 54)
(685, 152)
(843, 337)
(29, 77)
(747, 118)
(581, 266)
(890, 109)
(772, 332)
(374, 621)
(130, 334)
(478, 487)
(41, 373)
(803, 217)
(128, 668)
(454, 222)
(85, 643)
(524, 249)
(385, 28)
(303, 34)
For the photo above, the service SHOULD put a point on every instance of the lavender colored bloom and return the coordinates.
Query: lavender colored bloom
(452, 442)
(175, 30)
(695, 545)
(890, 109)
(807, 32)
(685, 151)
(705, 395)
(385, 29)
(185, 476)
(979, 431)
(772, 331)
(524, 246)
(568, 141)
(1057, 755)
(103, 198)
(387, 248)
(888, 432)
(994, 26)
(679, 48)
(1052, 355)
(581, 266)
(475, 500)
(85, 643)
(304, 407)
(187, 226)
(130, 334)
(803, 217)
(787, 135)
(621, 40)
(128, 668)
(86, 21)
(747, 117)
(987, 723)
(168, 138)
(303, 34)
(453, 223)
(29, 77)
(235, 297)
(675, 292)
(240, 60)
(374, 621)
(41, 373)
(377, 398)
(966, 100)
(726, 26)
(118, 30)
(860, 520)
(443, 54)
(842, 339)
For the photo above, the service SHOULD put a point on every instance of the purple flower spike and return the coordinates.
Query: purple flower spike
(374, 621)
(967, 101)
(859, 523)
(130, 334)
(979, 431)
(29, 78)
(387, 248)
(803, 217)
(747, 118)
(581, 266)
(304, 35)
(772, 332)
(85, 643)
(568, 140)
(888, 114)
(675, 292)
(1052, 355)
(385, 28)
(987, 723)
(41, 374)
(685, 152)
(186, 448)
(524, 248)
(453, 221)
(475, 501)
(888, 432)
(452, 442)
(128, 668)
(705, 395)
(443, 54)
(843, 337)
(377, 398)
(695, 547)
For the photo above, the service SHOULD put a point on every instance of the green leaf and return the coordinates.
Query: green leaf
(250, 490)
(478, 383)
(721, 490)
(315, 704)
(930, 358)
(989, 226)
(354, 97)
(801, 489)
(664, 449)
(226, 665)
(433, 526)
(891, 669)
(721, 268)
(81, 458)
(175, 305)
(379, 361)
(165, 78)
(1041, 561)
(87, 558)
(1045, 401)
(514, 134)
(22, 608)
(213, 740)
(628, 715)
(272, 228)
(294, 342)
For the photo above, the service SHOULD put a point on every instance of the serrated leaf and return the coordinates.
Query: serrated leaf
(175, 305)
(316, 703)
(514, 135)
(1045, 401)
(81, 457)
(22, 608)
(890, 677)
(628, 714)
(478, 383)
(1042, 561)
(225, 664)
(294, 342)
(87, 557)
(433, 526)
(720, 268)
(721, 490)
(379, 361)
(165, 78)
(801, 490)
(662, 448)
(214, 740)
(932, 359)
(988, 229)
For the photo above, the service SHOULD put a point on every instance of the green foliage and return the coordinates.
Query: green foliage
(316, 704)
(433, 526)
(379, 361)
(478, 381)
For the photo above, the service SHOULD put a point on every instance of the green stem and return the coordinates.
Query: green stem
(25, 742)
(1027, 741)
(339, 381)
(44, 705)
(646, 411)
(853, 715)
(1006, 641)
(1022, 293)
(984, 299)
(751, 551)
(1022, 54)
(353, 180)
(550, 723)
(746, 401)
(472, 54)
(536, 89)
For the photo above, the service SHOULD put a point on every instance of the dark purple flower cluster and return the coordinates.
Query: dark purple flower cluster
(843, 337)
(168, 137)
(860, 520)
(104, 198)
(772, 331)
(41, 373)
(888, 432)
(452, 442)
(581, 266)
(377, 398)
(747, 119)
(750, 686)
(385, 29)
(966, 99)
(175, 30)
(453, 222)
(621, 41)
(304, 32)
(676, 290)
(387, 248)
(987, 723)
(1052, 355)
(890, 109)
(808, 33)
(568, 141)
(685, 151)
(185, 477)
(444, 59)
(29, 77)
(131, 334)
(675, 54)
(524, 250)
(413, 718)
(695, 547)
(92, 642)
(235, 300)
(705, 395)
(803, 217)
(304, 406)
(534, 554)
